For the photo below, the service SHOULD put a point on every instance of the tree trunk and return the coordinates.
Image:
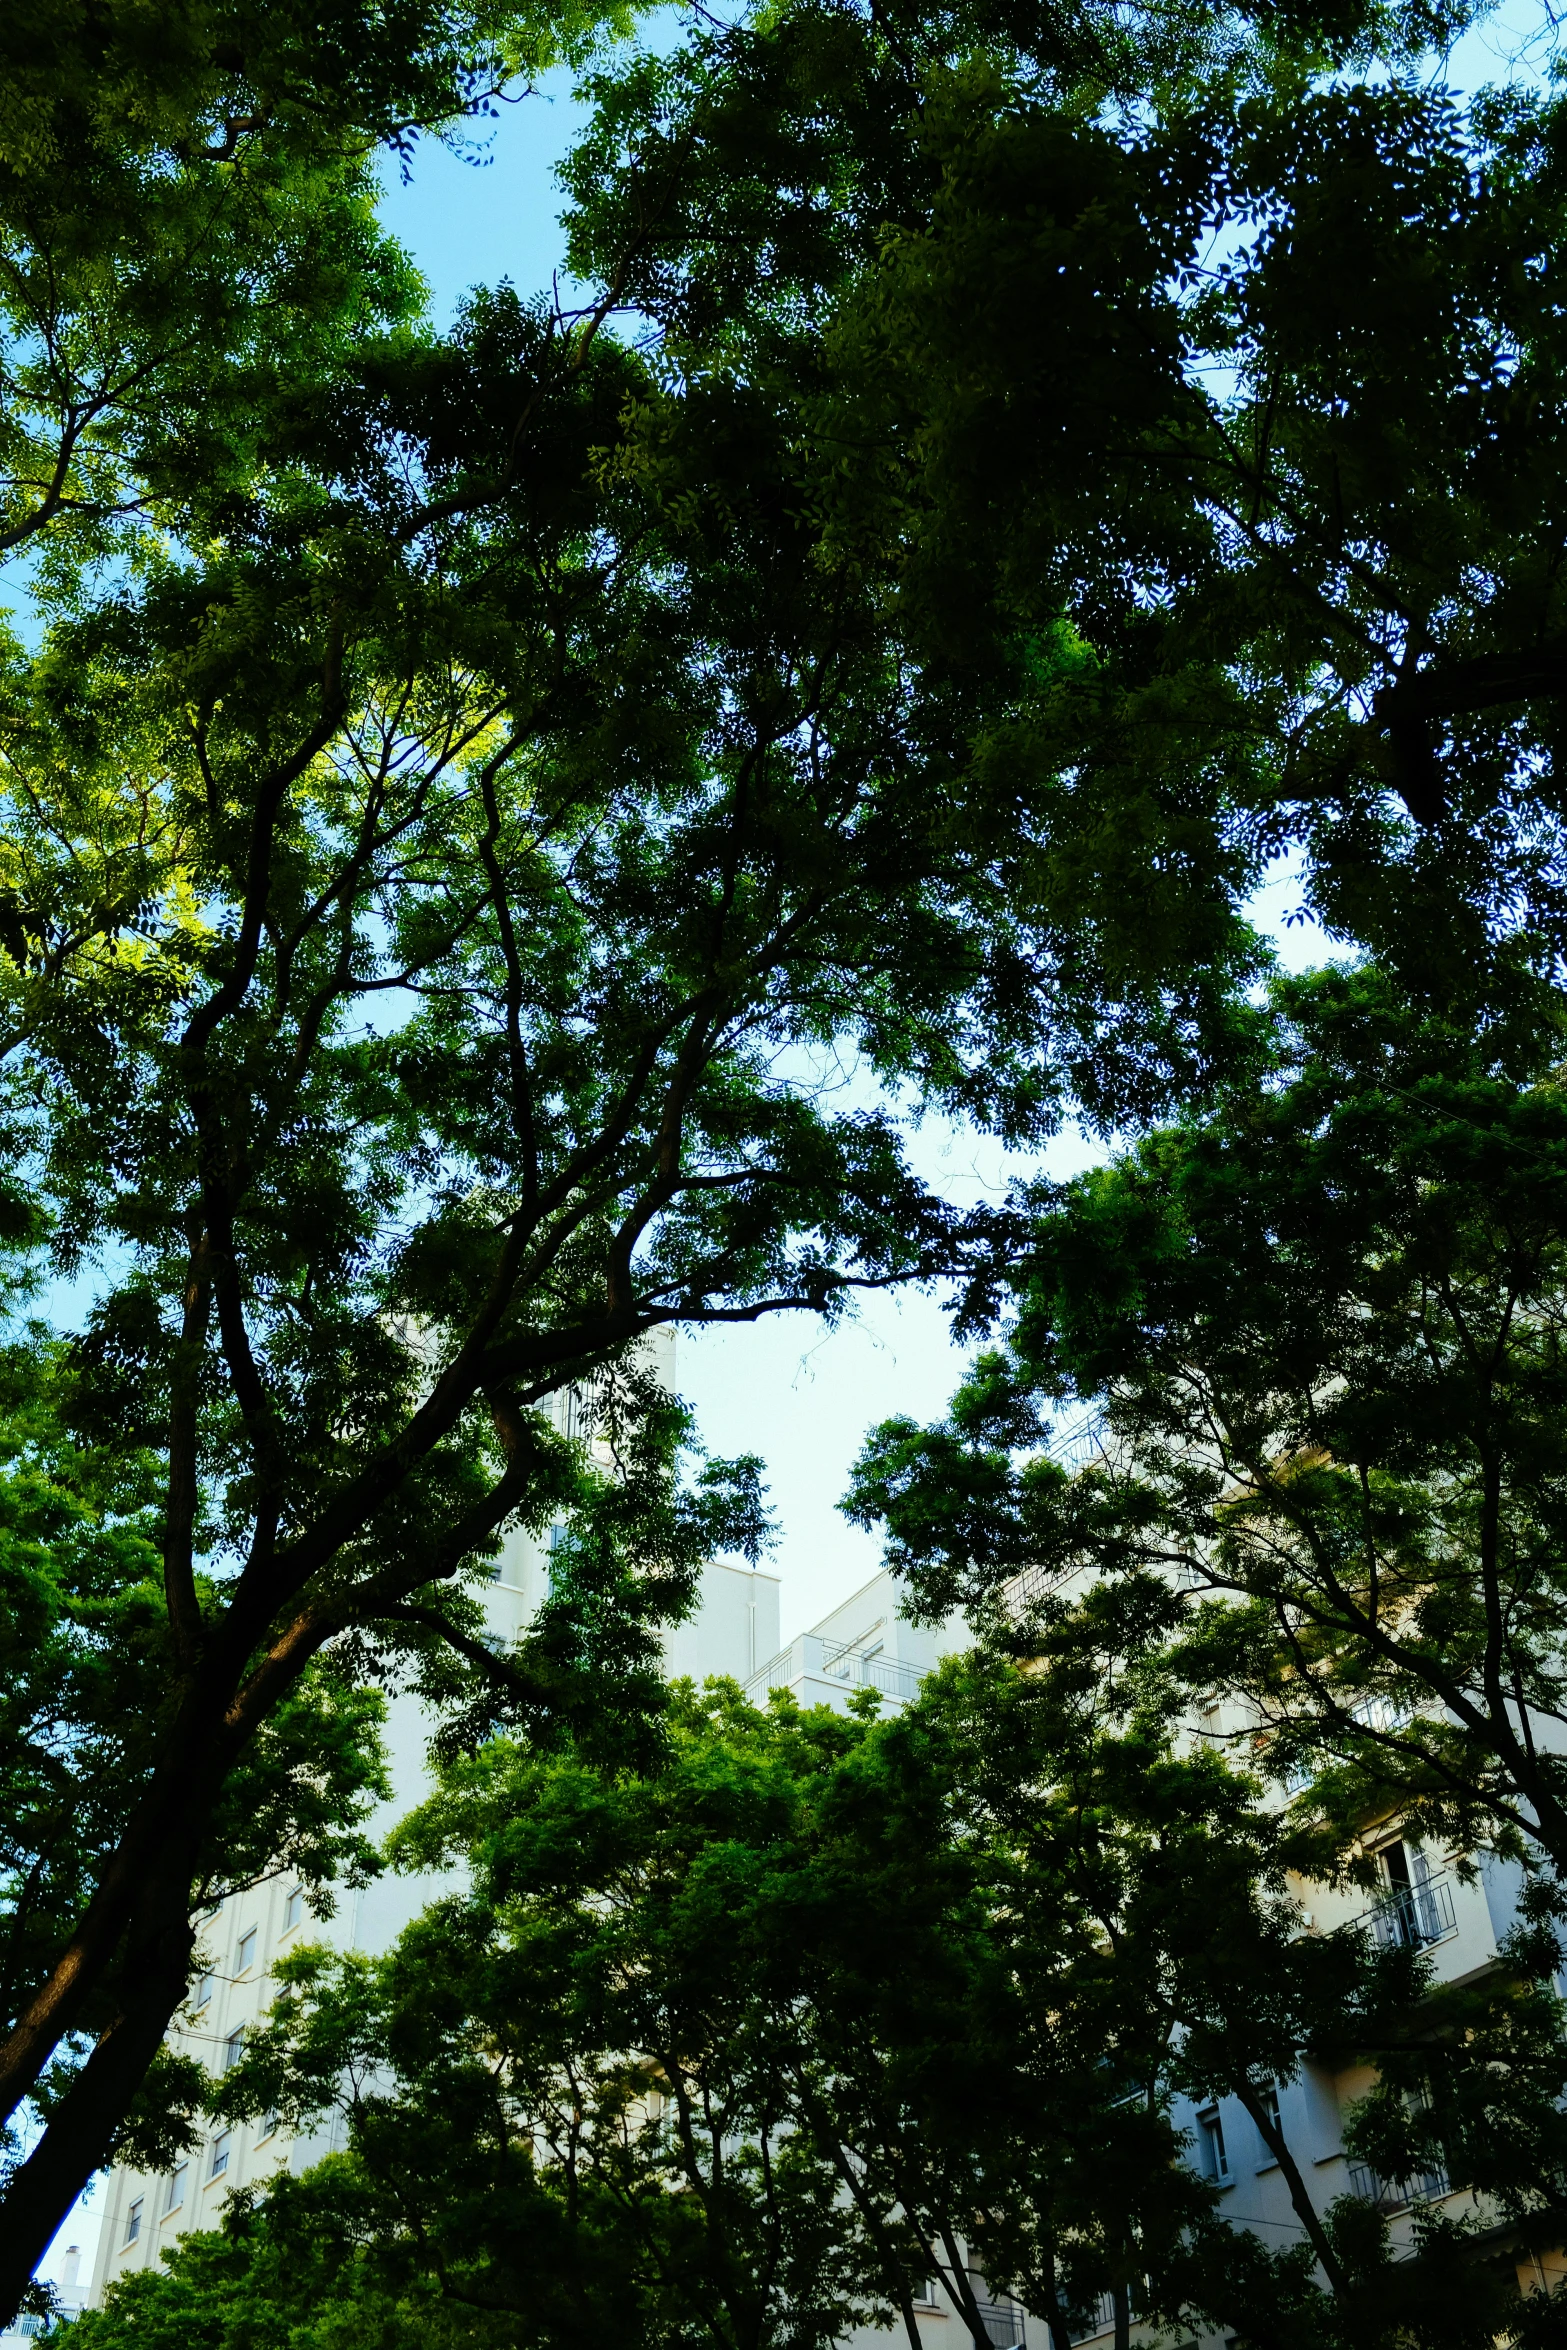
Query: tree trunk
(1060, 2339)
(81, 2131)
(1305, 2210)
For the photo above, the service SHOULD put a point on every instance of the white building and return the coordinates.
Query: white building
(1423, 1901)
(863, 1643)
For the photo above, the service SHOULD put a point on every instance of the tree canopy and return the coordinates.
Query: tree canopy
(1205, 345)
(1319, 1331)
(461, 790)
(747, 2046)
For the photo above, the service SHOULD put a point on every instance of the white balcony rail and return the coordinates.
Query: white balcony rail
(1414, 1915)
(1074, 1447)
(812, 1659)
(1099, 2321)
(1004, 2323)
(27, 2328)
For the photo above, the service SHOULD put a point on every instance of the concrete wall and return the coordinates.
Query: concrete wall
(733, 1629)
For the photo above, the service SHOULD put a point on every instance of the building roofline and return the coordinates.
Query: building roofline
(839, 1605)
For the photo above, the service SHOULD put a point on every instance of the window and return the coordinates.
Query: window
(1383, 1712)
(1210, 2145)
(293, 1909)
(244, 1956)
(220, 2155)
(203, 1991)
(927, 2294)
(176, 2194)
(1394, 1862)
(233, 2049)
(1270, 2106)
(133, 2221)
(268, 2125)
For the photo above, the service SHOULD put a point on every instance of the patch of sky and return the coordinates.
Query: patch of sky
(487, 205)
(487, 208)
(804, 1396)
(1516, 42)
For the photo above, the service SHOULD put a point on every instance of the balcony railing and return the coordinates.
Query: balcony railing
(1425, 2186)
(27, 2327)
(810, 1658)
(775, 1674)
(1003, 2321)
(1029, 1586)
(1414, 1915)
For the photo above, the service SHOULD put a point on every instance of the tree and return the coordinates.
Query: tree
(1185, 1972)
(432, 853)
(564, 2096)
(188, 245)
(719, 2049)
(462, 784)
(1211, 347)
(1321, 1330)
(748, 2041)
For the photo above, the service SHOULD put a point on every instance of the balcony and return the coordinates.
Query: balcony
(822, 1672)
(1413, 1915)
(1003, 2321)
(1426, 2186)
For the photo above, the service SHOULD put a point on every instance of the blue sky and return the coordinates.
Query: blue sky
(491, 210)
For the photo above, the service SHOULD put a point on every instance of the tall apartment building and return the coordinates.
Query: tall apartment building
(1422, 1902)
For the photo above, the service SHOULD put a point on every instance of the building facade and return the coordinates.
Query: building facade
(862, 1643)
(1458, 1919)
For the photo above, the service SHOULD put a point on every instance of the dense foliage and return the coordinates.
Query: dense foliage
(1320, 1332)
(1222, 352)
(744, 2048)
(1010, 473)
(188, 243)
(436, 850)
